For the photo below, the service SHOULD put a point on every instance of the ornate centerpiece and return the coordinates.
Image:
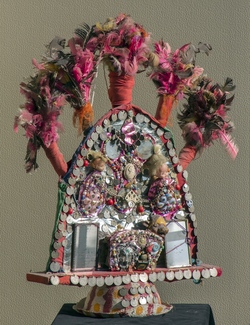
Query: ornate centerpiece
(125, 216)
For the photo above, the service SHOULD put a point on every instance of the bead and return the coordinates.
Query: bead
(140, 209)
(110, 202)
(85, 163)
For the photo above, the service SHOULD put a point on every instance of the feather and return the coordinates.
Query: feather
(84, 32)
(39, 66)
(228, 86)
(131, 67)
(83, 117)
(204, 47)
(55, 48)
(228, 142)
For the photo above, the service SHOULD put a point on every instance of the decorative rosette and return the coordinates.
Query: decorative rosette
(203, 119)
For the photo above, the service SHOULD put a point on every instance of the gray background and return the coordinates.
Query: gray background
(220, 187)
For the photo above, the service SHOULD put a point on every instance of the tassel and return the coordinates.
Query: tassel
(83, 117)
(165, 106)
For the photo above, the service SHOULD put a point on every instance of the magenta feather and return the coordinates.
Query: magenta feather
(228, 142)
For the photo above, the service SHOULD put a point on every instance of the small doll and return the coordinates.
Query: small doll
(92, 193)
(97, 160)
(163, 195)
(157, 165)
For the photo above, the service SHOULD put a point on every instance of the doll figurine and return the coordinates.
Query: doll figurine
(97, 160)
(163, 194)
(92, 193)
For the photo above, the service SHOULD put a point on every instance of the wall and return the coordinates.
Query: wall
(220, 187)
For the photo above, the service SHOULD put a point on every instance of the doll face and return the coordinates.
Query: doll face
(162, 171)
(98, 164)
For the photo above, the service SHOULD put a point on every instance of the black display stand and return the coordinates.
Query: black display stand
(181, 314)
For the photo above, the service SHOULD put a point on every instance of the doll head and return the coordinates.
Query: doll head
(156, 164)
(162, 171)
(97, 160)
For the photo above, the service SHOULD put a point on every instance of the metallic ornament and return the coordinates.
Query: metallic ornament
(84, 152)
(172, 152)
(170, 275)
(70, 190)
(99, 129)
(185, 188)
(145, 149)
(135, 277)
(74, 279)
(141, 290)
(94, 136)
(72, 181)
(92, 281)
(152, 277)
(161, 276)
(213, 272)
(54, 280)
(109, 280)
(193, 217)
(54, 254)
(160, 132)
(139, 118)
(100, 281)
(106, 123)
(153, 125)
(143, 301)
(122, 115)
(133, 291)
(54, 267)
(126, 279)
(123, 292)
(90, 143)
(112, 150)
(57, 244)
(143, 277)
(149, 300)
(79, 162)
(83, 281)
(178, 275)
(167, 135)
(205, 273)
(117, 280)
(125, 303)
(134, 302)
(103, 136)
(114, 117)
(175, 160)
(196, 274)
(187, 274)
